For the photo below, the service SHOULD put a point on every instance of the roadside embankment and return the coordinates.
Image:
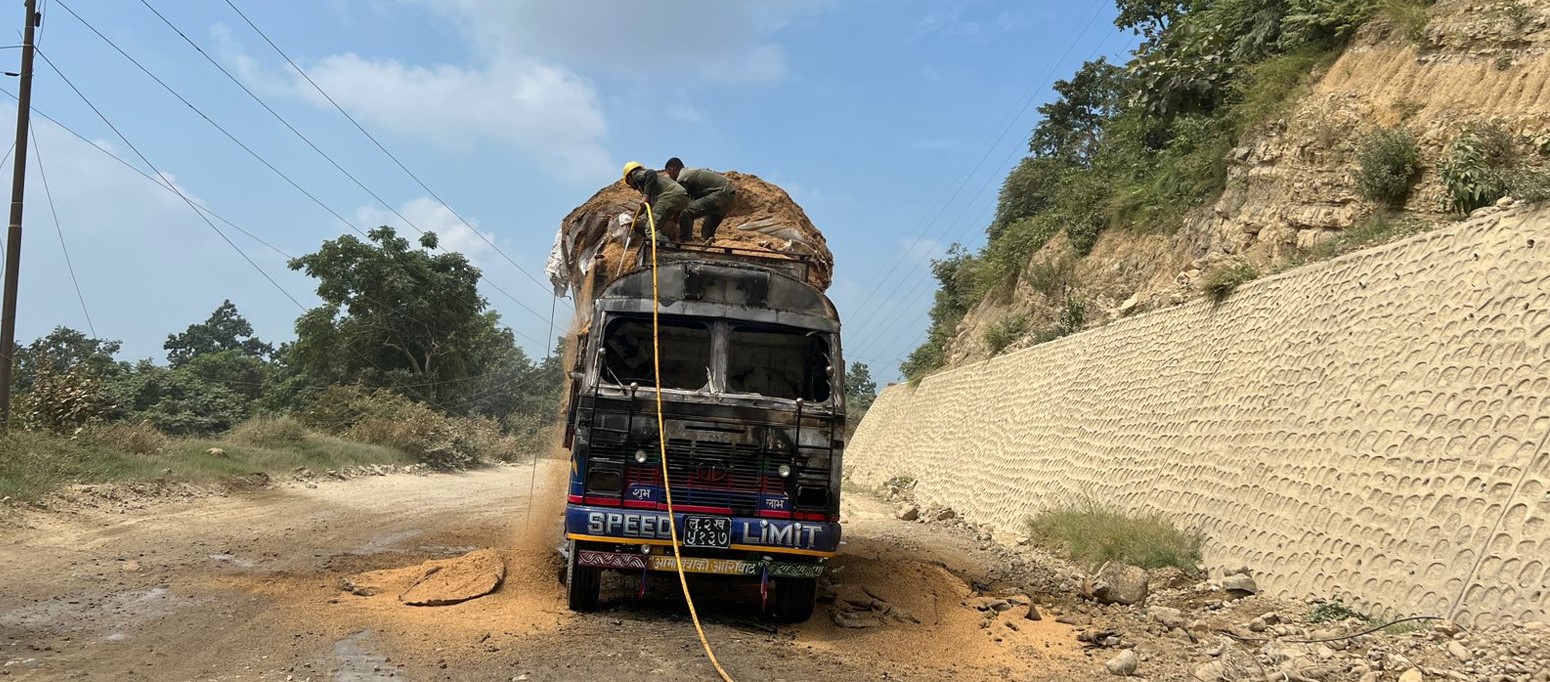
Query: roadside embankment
(1373, 427)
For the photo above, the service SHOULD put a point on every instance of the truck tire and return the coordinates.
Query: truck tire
(583, 584)
(794, 599)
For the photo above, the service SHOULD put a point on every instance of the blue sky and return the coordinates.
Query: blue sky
(892, 123)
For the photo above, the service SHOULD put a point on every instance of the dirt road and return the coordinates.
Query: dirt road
(247, 587)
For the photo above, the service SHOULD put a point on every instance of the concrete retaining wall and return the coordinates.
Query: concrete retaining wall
(1374, 426)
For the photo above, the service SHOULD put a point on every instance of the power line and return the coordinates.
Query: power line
(261, 159)
(380, 146)
(299, 134)
(922, 286)
(1029, 96)
(219, 218)
(164, 184)
(37, 153)
(171, 185)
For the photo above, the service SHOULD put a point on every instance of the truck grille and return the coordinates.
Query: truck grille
(704, 474)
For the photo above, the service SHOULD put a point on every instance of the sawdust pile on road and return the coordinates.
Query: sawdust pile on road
(896, 608)
(441, 582)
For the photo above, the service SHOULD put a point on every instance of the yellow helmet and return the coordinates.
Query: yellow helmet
(629, 168)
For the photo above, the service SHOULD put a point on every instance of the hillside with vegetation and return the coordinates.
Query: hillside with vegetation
(402, 362)
(1242, 138)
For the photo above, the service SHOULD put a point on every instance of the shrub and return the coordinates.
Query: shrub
(1332, 611)
(1409, 15)
(1072, 316)
(62, 402)
(269, 431)
(1389, 162)
(1225, 279)
(1476, 166)
(1092, 534)
(140, 438)
(1004, 332)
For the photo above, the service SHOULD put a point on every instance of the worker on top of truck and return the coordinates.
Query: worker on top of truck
(666, 196)
(710, 197)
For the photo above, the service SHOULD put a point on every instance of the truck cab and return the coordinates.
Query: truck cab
(753, 419)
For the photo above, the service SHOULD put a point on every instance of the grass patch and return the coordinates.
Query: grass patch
(1409, 15)
(1004, 332)
(1379, 229)
(1092, 534)
(33, 464)
(1226, 278)
(1334, 610)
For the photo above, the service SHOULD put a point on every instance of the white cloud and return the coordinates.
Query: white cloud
(541, 109)
(921, 250)
(714, 40)
(431, 216)
(146, 263)
(954, 22)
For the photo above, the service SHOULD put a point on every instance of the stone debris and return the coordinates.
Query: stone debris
(1117, 583)
(1123, 665)
(1241, 583)
(908, 513)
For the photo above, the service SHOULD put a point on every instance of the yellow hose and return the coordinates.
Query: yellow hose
(667, 487)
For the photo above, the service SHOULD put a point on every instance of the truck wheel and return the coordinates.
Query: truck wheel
(582, 583)
(794, 599)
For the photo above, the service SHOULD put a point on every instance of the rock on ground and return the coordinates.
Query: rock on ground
(1123, 665)
(1117, 583)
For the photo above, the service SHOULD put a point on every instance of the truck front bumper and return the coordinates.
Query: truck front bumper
(649, 528)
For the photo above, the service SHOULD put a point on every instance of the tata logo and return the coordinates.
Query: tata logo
(711, 472)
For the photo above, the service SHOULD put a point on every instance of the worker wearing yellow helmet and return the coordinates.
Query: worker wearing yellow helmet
(666, 197)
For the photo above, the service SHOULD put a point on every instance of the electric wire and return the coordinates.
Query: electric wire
(308, 141)
(207, 221)
(261, 159)
(170, 184)
(923, 286)
(219, 218)
(37, 154)
(380, 146)
(1029, 96)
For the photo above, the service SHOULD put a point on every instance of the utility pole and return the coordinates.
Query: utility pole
(13, 237)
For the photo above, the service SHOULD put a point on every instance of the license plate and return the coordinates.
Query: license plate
(713, 532)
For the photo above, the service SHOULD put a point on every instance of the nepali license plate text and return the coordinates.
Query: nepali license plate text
(714, 532)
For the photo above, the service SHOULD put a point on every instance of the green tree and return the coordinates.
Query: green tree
(395, 316)
(1072, 125)
(225, 330)
(177, 401)
(63, 351)
(860, 389)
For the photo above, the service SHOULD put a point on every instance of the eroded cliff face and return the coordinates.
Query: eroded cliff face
(1292, 184)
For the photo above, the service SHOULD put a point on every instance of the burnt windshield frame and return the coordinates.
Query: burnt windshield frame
(799, 366)
(822, 387)
(687, 350)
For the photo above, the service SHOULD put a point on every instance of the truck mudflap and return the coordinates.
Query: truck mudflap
(664, 562)
(699, 530)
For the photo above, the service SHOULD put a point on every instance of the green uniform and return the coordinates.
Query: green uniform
(711, 196)
(667, 199)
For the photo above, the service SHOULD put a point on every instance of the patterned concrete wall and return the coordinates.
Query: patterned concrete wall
(1374, 426)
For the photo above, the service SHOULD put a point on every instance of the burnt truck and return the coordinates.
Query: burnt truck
(753, 416)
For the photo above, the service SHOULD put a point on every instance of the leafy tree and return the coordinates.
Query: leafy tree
(860, 389)
(1072, 126)
(1149, 18)
(63, 351)
(395, 316)
(955, 275)
(225, 330)
(177, 401)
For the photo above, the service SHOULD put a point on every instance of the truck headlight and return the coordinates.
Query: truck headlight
(640, 456)
(784, 470)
